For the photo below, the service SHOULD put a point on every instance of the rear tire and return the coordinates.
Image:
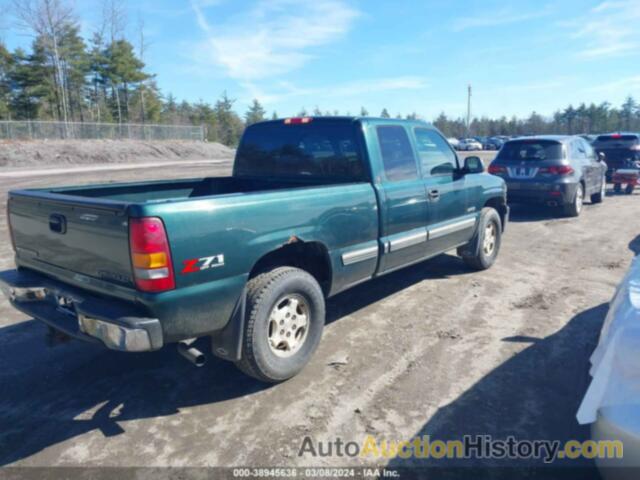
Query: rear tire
(630, 188)
(617, 187)
(481, 252)
(574, 208)
(285, 316)
(599, 197)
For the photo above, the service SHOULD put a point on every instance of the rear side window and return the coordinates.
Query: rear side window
(578, 150)
(530, 150)
(436, 156)
(397, 155)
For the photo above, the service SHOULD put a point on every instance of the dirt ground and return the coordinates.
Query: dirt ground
(432, 349)
(40, 153)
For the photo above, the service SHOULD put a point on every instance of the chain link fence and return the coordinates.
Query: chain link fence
(42, 130)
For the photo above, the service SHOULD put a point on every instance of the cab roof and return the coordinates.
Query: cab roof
(345, 118)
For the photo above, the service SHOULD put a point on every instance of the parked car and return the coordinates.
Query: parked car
(558, 171)
(611, 402)
(314, 207)
(454, 142)
(467, 144)
(493, 143)
(589, 137)
(621, 151)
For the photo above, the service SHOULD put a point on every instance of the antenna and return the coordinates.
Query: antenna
(469, 110)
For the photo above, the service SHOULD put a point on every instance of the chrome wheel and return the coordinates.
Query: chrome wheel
(288, 325)
(579, 198)
(489, 241)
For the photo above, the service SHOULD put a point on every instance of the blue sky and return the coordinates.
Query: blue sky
(405, 55)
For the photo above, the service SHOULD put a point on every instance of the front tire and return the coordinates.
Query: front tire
(285, 316)
(629, 189)
(574, 208)
(599, 197)
(483, 249)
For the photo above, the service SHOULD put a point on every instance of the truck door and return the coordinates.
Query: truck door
(451, 214)
(403, 212)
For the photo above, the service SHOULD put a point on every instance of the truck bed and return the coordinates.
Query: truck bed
(84, 230)
(159, 191)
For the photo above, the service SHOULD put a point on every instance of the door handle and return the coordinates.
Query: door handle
(434, 194)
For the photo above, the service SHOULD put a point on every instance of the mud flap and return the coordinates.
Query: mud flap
(227, 343)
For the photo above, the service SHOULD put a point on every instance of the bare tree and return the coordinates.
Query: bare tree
(47, 19)
(114, 17)
(142, 46)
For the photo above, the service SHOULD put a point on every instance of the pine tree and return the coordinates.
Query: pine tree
(6, 64)
(123, 69)
(256, 113)
(385, 113)
(364, 112)
(33, 94)
(628, 111)
(229, 126)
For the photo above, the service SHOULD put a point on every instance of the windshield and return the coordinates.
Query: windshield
(326, 150)
(530, 150)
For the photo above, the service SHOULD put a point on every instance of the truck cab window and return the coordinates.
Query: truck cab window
(320, 151)
(436, 156)
(397, 154)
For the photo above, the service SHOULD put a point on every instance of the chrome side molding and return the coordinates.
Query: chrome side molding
(408, 241)
(359, 255)
(452, 228)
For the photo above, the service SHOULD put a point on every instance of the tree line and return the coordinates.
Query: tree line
(589, 119)
(65, 77)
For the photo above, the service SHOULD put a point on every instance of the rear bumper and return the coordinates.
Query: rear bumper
(116, 324)
(541, 193)
(625, 176)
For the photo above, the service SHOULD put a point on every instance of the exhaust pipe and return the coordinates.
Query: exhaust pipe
(191, 353)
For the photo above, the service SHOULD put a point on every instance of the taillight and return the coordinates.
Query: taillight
(150, 255)
(496, 169)
(557, 170)
(13, 242)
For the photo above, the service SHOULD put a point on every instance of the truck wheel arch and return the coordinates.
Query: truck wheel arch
(498, 204)
(312, 257)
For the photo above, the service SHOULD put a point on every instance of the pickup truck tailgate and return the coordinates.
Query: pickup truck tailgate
(80, 237)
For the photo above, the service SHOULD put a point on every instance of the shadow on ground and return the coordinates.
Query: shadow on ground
(533, 395)
(47, 392)
(532, 213)
(634, 245)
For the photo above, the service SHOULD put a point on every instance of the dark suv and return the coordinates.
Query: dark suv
(621, 151)
(551, 170)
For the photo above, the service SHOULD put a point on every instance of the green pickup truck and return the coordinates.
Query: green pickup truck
(314, 207)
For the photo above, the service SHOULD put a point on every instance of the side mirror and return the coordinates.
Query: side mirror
(473, 165)
(601, 156)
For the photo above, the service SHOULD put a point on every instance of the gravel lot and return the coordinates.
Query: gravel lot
(432, 349)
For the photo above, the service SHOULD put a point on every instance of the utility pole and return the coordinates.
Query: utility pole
(469, 110)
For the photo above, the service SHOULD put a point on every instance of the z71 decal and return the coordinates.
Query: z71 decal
(197, 264)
